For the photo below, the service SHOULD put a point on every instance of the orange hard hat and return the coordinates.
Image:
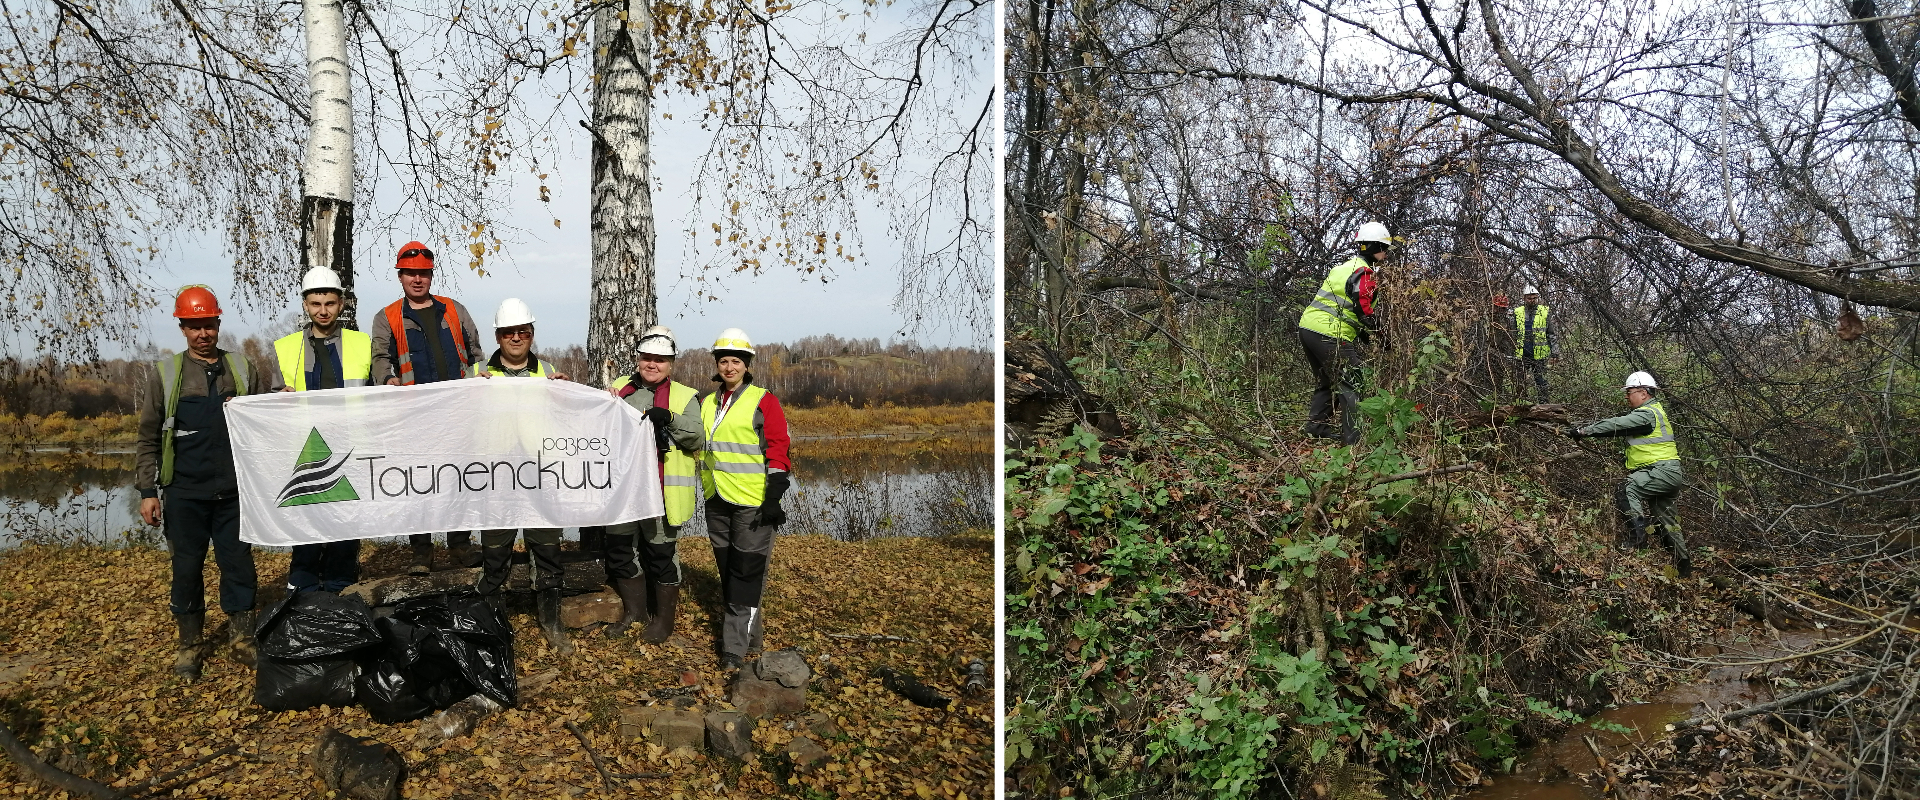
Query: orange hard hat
(413, 255)
(196, 302)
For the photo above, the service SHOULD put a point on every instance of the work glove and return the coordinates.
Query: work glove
(662, 420)
(771, 515)
(1574, 433)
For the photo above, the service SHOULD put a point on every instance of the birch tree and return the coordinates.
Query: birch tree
(326, 210)
(624, 298)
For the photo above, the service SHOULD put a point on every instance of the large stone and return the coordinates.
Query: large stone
(821, 724)
(730, 734)
(635, 721)
(805, 755)
(363, 769)
(765, 698)
(581, 610)
(678, 729)
(787, 667)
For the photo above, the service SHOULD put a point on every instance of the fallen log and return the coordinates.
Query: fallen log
(1427, 473)
(51, 775)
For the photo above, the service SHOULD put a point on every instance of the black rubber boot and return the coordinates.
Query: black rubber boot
(1636, 532)
(496, 564)
(189, 652)
(240, 637)
(633, 604)
(666, 606)
(548, 605)
(422, 561)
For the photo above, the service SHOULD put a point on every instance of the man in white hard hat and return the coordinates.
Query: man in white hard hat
(743, 476)
(1341, 315)
(324, 354)
(643, 557)
(513, 331)
(423, 338)
(1534, 339)
(1654, 476)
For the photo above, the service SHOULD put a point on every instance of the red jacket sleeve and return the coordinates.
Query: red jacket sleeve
(773, 434)
(1363, 291)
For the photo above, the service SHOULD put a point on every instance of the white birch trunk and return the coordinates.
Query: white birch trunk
(326, 210)
(622, 213)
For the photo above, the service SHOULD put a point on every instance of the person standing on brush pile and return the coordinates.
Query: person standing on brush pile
(1534, 340)
(185, 455)
(513, 331)
(1653, 468)
(1340, 315)
(322, 355)
(743, 476)
(647, 552)
(406, 354)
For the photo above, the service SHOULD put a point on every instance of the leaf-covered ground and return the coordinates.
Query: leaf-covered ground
(86, 647)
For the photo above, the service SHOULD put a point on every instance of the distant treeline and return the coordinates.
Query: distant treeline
(812, 372)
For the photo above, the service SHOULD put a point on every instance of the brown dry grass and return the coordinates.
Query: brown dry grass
(842, 419)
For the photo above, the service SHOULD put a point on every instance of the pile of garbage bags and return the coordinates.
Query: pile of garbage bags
(431, 652)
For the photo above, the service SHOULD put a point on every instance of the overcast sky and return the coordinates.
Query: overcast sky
(548, 268)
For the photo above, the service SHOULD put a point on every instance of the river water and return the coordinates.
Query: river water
(895, 489)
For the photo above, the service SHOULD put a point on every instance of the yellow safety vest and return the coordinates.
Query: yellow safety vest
(734, 465)
(1332, 312)
(679, 475)
(1656, 446)
(1541, 348)
(170, 380)
(356, 358)
(541, 369)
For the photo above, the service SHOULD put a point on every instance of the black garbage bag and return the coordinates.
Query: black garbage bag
(308, 646)
(438, 650)
(387, 694)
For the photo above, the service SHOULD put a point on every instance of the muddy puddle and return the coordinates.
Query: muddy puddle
(1553, 770)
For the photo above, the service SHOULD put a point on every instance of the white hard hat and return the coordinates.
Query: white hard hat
(512, 312)
(1373, 232)
(321, 279)
(1531, 289)
(1640, 380)
(658, 341)
(733, 339)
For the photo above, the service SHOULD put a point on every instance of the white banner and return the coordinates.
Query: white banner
(467, 454)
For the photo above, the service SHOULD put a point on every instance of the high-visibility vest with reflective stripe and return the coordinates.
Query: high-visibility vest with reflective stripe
(356, 358)
(679, 476)
(170, 372)
(1656, 446)
(1541, 348)
(541, 369)
(734, 465)
(1332, 312)
(402, 357)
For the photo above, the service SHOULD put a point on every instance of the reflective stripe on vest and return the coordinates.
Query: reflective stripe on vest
(170, 376)
(356, 358)
(541, 369)
(734, 465)
(1656, 446)
(1541, 348)
(1332, 312)
(679, 476)
(402, 357)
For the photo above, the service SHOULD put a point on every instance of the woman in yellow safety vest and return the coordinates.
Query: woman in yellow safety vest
(1340, 314)
(1654, 476)
(743, 475)
(648, 551)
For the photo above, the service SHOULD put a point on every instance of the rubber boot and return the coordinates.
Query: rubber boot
(547, 603)
(240, 638)
(1636, 532)
(460, 549)
(422, 561)
(666, 606)
(496, 565)
(186, 657)
(633, 604)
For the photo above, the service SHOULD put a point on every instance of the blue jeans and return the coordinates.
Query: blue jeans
(192, 524)
(326, 567)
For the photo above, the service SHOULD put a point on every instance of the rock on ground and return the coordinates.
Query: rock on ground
(730, 734)
(363, 769)
(805, 755)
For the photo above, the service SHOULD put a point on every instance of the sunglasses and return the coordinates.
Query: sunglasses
(417, 251)
(519, 333)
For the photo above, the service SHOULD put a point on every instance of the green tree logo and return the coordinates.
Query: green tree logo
(317, 476)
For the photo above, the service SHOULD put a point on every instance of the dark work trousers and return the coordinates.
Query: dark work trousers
(191, 525)
(740, 551)
(1335, 362)
(650, 544)
(424, 541)
(1537, 367)
(325, 567)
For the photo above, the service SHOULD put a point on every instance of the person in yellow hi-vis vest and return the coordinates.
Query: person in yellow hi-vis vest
(743, 475)
(513, 330)
(648, 551)
(1340, 315)
(1654, 476)
(322, 355)
(1534, 339)
(185, 455)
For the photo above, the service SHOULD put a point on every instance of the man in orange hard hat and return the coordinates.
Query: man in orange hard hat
(425, 338)
(184, 472)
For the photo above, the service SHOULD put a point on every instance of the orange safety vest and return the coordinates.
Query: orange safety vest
(402, 359)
